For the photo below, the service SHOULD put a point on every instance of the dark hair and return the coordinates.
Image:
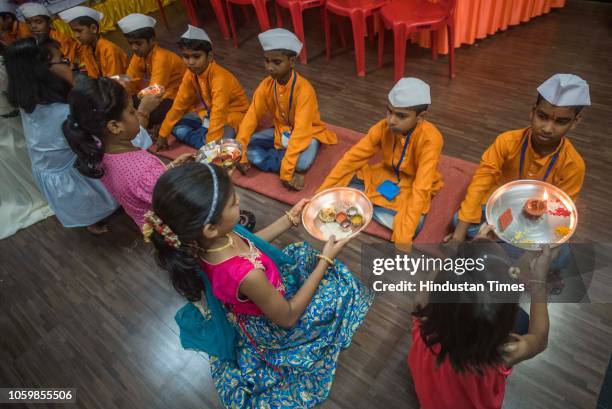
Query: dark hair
(93, 103)
(147, 33)
(182, 199)
(470, 326)
(288, 53)
(419, 108)
(86, 21)
(30, 80)
(577, 108)
(195, 45)
(7, 14)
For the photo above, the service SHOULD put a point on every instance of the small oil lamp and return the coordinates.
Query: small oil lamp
(535, 208)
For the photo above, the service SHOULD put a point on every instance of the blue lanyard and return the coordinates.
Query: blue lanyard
(199, 92)
(402, 156)
(290, 99)
(522, 160)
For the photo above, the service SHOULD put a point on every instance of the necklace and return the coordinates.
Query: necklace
(230, 243)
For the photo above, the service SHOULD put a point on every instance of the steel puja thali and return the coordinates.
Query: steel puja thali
(529, 213)
(225, 152)
(339, 211)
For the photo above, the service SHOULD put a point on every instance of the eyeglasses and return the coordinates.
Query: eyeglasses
(64, 61)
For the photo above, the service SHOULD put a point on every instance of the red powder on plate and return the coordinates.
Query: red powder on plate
(560, 211)
(505, 219)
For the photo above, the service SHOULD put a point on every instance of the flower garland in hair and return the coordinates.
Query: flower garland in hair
(154, 223)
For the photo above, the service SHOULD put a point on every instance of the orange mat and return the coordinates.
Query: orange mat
(457, 174)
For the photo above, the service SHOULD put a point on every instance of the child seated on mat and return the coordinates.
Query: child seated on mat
(109, 59)
(541, 151)
(291, 146)
(401, 186)
(151, 64)
(287, 313)
(11, 29)
(210, 103)
(99, 129)
(466, 343)
(38, 19)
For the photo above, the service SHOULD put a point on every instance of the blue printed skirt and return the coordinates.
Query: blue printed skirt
(294, 368)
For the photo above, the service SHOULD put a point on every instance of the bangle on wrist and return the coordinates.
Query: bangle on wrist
(538, 282)
(291, 219)
(326, 259)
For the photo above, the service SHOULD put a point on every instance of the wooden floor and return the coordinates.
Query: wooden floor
(97, 313)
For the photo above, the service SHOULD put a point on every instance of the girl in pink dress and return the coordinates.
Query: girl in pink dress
(290, 312)
(100, 129)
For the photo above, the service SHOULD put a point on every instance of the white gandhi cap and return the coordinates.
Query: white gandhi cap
(564, 90)
(280, 39)
(195, 33)
(136, 21)
(6, 7)
(29, 10)
(409, 92)
(80, 11)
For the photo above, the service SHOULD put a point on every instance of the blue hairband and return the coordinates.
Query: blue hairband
(215, 198)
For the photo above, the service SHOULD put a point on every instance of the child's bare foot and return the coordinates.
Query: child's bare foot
(98, 228)
(297, 182)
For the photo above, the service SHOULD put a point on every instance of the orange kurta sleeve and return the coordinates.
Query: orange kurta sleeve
(427, 152)
(221, 94)
(68, 45)
(183, 103)
(257, 109)
(569, 176)
(354, 159)
(136, 71)
(167, 70)
(111, 58)
(301, 137)
(86, 57)
(486, 176)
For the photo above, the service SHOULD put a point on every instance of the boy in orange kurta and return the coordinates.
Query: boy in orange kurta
(38, 19)
(541, 151)
(11, 30)
(151, 64)
(402, 185)
(291, 146)
(109, 59)
(210, 103)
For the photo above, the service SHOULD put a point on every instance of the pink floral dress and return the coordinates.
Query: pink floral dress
(130, 178)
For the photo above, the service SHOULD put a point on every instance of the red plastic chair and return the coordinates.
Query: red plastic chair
(296, 8)
(358, 11)
(261, 10)
(411, 16)
(217, 5)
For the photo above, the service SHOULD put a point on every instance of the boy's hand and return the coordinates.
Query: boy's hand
(404, 247)
(149, 103)
(296, 183)
(162, 143)
(243, 168)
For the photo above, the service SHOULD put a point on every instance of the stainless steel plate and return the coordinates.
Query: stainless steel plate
(529, 233)
(337, 198)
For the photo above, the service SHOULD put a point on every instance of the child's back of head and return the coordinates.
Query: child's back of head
(94, 102)
(470, 326)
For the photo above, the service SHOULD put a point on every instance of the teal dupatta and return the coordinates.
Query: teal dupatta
(209, 330)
